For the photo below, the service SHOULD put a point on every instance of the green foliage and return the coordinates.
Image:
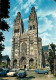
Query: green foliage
(4, 13)
(4, 26)
(3, 64)
(1, 37)
(0, 57)
(1, 47)
(4, 8)
(51, 57)
(54, 0)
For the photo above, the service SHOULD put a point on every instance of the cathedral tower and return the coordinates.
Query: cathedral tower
(33, 25)
(17, 32)
(18, 25)
(33, 35)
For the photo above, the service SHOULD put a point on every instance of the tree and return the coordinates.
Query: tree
(0, 57)
(51, 57)
(54, 0)
(4, 13)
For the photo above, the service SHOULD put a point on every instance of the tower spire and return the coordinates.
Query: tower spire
(33, 24)
(18, 25)
(33, 15)
(33, 9)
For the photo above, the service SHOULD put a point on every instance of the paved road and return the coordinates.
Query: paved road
(31, 75)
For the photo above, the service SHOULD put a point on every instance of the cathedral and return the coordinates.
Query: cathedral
(26, 46)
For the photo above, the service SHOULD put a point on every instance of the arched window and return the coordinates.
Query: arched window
(33, 27)
(30, 27)
(16, 31)
(24, 48)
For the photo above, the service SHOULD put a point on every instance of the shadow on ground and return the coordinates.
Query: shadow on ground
(12, 78)
(26, 78)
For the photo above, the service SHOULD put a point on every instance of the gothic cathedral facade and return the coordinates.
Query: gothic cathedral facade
(26, 46)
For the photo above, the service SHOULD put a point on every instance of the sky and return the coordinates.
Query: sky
(46, 15)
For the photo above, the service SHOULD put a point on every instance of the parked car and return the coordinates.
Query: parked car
(11, 73)
(3, 72)
(6, 70)
(21, 73)
(1, 69)
(37, 70)
(41, 71)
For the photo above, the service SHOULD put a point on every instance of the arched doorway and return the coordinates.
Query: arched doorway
(15, 63)
(23, 62)
(31, 63)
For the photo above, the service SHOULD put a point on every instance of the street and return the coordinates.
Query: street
(31, 75)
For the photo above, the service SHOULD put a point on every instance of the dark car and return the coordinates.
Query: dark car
(21, 73)
(41, 71)
(6, 70)
(37, 70)
(3, 73)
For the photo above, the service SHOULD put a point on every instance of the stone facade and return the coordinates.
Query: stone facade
(26, 46)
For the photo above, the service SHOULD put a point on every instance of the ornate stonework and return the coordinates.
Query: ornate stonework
(26, 47)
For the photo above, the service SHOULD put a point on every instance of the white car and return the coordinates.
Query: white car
(11, 73)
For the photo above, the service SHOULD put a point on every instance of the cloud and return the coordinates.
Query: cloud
(45, 24)
(42, 13)
(45, 34)
(9, 40)
(20, 1)
(25, 19)
(27, 10)
(28, 4)
(16, 12)
(7, 51)
(45, 41)
(54, 14)
(45, 38)
(14, 9)
(11, 25)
